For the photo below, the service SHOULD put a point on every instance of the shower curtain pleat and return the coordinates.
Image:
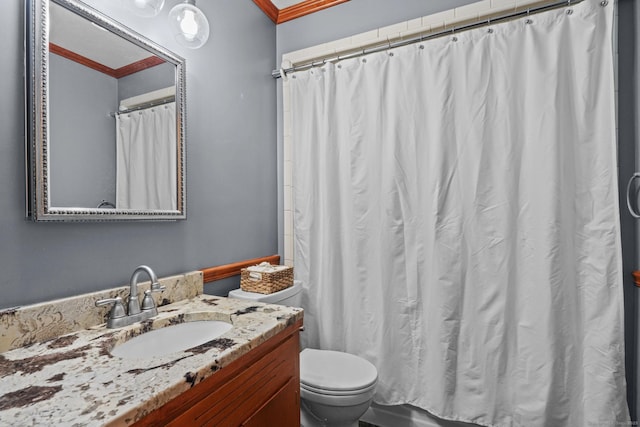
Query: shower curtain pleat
(146, 162)
(456, 220)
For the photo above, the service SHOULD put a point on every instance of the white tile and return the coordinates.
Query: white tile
(437, 20)
(309, 53)
(476, 8)
(363, 39)
(288, 196)
(388, 38)
(288, 246)
(502, 3)
(413, 33)
(463, 14)
(339, 45)
(286, 145)
(520, 4)
(288, 172)
(392, 31)
(288, 222)
(441, 26)
(502, 8)
(414, 24)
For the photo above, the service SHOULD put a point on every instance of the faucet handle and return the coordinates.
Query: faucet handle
(147, 302)
(156, 287)
(118, 308)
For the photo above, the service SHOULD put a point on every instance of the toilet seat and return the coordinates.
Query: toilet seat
(337, 393)
(334, 373)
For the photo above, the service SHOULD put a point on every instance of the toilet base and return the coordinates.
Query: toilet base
(337, 413)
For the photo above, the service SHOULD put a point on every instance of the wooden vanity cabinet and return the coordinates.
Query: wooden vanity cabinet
(259, 389)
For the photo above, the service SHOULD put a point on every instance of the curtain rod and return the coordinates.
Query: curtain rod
(276, 74)
(145, 105)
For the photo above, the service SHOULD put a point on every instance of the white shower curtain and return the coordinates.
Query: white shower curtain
(146, 159)
(456, 220)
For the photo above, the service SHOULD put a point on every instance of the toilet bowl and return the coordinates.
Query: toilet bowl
(336, 388)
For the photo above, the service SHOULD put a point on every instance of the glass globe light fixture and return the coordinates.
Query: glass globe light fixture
(189, 25)
(145, 8)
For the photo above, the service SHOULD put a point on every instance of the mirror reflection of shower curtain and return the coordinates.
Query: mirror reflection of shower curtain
(456, 220)
(146, 159)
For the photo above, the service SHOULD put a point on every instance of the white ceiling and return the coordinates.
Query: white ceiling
(79, 35)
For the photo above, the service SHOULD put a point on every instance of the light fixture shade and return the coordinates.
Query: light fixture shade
(146, 8)
(189, 25)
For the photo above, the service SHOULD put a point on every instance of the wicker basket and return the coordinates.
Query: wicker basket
(262, 281)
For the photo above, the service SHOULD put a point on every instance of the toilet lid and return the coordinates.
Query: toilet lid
(335, 371)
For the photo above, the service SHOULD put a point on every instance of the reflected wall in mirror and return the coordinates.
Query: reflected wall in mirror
(105, 119)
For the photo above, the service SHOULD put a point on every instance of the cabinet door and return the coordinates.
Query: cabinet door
(282, 410)
(264, 383)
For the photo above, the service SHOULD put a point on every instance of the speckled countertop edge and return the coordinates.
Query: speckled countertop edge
(73, 380)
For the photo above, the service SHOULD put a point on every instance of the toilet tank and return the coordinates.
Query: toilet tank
(290, 296)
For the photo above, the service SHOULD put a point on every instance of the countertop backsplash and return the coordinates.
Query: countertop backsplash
(22, 326)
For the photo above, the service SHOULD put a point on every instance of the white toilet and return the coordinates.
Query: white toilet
(336, 388)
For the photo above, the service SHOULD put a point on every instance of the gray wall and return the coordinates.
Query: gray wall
(627, 142)
(82, 134)
(147, 80)
(231, 166)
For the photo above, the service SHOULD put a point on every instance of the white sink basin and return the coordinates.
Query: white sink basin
(171, 339)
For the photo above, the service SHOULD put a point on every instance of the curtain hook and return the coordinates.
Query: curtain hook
(528, 20)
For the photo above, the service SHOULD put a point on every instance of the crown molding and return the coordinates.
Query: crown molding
(117, 73)
(278, 16)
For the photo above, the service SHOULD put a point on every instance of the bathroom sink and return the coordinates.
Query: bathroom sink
(171, 339)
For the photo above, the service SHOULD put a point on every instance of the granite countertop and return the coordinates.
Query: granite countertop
(73, 380)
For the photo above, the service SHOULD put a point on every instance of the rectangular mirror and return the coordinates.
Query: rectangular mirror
(105, 119)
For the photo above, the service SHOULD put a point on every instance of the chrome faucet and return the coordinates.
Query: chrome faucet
(135, 313)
